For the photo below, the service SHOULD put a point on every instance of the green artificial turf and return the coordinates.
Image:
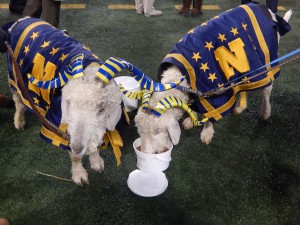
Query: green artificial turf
(248, 175)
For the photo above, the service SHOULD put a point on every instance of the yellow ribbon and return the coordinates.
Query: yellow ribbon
(114, 138)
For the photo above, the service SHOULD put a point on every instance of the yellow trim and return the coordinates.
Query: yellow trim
(56, 140)
(187, 66)
(25, 101)
(243, 100)
(259, 34)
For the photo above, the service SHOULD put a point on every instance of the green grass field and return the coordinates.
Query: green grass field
(248, 175)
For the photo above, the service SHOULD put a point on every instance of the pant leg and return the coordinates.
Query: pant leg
(186, 4)
(148, 5)
(51, 11)
(33, 8)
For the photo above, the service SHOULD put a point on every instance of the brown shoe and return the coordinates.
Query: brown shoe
(196, 12)
(5, 101)
(185, 10)
(197, 8)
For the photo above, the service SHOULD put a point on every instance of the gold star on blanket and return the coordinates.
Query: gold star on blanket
(204, 67)
(246, 80)
(209, 45)
(244, 26)
(36, 101)
(54, 51)
(222, 37)
(45, 44)
(34, 35)
(234, 31)
(26, 49)
(21, 62)
(196, 56)
(63, 56)
(212, 77)
(220, 85)
(191, 31)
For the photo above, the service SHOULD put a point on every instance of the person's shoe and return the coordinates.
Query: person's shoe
(153, 12)
(196, 12)
(185, 12)
(140, 11)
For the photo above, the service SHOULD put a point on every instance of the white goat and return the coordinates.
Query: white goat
(87, 106)
(155, 130)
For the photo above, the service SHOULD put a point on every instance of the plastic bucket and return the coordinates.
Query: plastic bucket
(152, 163)
(130, 84)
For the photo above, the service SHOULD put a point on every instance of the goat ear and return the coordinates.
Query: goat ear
(174, 131)
(113, 118)
(64, 110)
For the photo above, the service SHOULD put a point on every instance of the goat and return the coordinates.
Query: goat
(208, 64)
(69, 85)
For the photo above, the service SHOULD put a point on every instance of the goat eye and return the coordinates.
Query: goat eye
(101, 110)
(156, 132)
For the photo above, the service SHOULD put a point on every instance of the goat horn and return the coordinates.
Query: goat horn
(146, 97)
(169, 102)
(113, 66)
(73, 70)
(136, 95)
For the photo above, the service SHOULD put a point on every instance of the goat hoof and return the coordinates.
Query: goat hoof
(20, 125)
(238, 110)
(97, 164)
(265, 116)
(206, 137)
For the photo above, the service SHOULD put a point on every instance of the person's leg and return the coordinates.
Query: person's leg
(33, 8)
(5, 101)
(149, 9)
(197, 5)
(139, 6)
(51, 11)
(185, 10)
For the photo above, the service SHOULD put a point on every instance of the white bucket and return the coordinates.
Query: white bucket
(130, 84)
(152, 163)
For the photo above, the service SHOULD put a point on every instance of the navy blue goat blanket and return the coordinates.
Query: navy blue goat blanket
(223, 49)
(44, 52)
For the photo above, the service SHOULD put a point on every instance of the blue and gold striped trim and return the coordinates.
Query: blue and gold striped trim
(73, 70)
(113, 66)
(170, 102)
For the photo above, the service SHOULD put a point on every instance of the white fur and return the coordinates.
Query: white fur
(89, 108)
(155, 131)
